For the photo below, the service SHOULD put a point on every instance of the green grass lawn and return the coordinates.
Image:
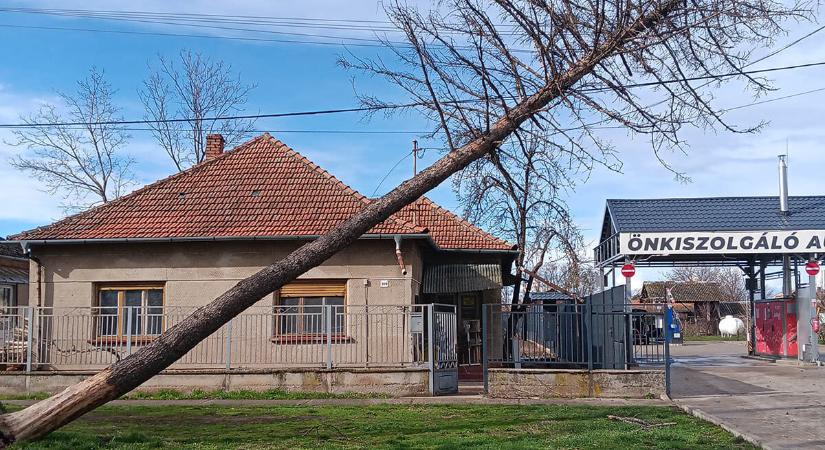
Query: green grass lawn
(384, 426)
(198, 394)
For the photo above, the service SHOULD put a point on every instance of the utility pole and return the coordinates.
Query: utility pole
(415, 172)
(415, 157)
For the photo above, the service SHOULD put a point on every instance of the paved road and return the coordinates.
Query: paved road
(779, 406)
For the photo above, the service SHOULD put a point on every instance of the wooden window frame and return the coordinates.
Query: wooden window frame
(120, 336)
(310, 289)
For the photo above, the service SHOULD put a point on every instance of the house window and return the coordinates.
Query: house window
(7, 300)
(301, 306)
(121, 307)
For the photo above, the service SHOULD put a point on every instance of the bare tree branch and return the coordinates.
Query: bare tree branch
(194, 89)
(85, 165)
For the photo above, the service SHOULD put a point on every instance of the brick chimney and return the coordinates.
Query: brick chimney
(214, 146)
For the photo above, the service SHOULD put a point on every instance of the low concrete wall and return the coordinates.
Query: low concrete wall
(394, 382)
(562, 383)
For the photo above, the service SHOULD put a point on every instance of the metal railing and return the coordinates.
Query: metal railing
(573, 336)
(311, 336)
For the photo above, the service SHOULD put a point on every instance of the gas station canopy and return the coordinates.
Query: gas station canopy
(712, 231)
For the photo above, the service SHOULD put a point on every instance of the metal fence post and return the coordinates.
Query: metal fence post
(431, 346)
(668, 322)
(229, 345)
(29, 340)
(329, 336)
(485, 363)
(130, 313)
(588, 339)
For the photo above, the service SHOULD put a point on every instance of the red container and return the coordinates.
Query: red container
(775, 324)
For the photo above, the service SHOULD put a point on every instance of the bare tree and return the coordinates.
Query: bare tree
(561, 62)
(576, 275)
(515, 193)
(84, 163)
(730, 280)
(182, 101)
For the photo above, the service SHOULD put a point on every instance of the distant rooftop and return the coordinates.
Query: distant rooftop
(548, 296)
(683, 291)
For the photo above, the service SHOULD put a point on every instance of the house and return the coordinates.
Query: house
(699, 305)
(14, 275)
(551, 297)
(124, 271)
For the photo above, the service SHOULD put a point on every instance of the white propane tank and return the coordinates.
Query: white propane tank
(731, 326)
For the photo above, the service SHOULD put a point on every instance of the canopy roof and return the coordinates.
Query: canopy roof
(713, 214)
(730, 229)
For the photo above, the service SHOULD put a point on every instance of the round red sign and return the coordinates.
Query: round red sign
(812, 267)
(628, 270)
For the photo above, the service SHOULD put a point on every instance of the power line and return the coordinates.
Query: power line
(313, 131)
(384, 178)
(209, 19)
(305, 22)
(205, 119)
(209, 15)
(177, 20)
(400, 106)
(173, 22)
(771, 100)
(183, 35)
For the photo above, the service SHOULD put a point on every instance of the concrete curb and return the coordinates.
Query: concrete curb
(696, 412)
(447, 400)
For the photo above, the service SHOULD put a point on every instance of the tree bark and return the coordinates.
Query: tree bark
(127, 374)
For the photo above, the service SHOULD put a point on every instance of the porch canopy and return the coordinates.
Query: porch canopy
(716, 231)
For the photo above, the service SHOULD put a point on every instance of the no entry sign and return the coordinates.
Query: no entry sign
(812, 267)
(628, 270)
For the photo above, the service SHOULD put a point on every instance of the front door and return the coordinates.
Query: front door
(468, 314)
(470, 336)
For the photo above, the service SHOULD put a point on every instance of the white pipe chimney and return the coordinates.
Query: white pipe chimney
(783, 185)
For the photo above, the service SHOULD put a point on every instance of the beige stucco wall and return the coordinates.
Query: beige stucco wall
(194, 273)
(391, 382)
(573, 383)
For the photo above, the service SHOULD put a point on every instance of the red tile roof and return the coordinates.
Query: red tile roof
(447, 229)
(262, 188)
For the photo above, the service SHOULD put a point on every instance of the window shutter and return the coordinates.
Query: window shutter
(315, 288)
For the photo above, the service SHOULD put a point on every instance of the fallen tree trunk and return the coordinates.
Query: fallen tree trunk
(129, 373)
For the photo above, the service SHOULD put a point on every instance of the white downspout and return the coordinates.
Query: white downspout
(398, 255)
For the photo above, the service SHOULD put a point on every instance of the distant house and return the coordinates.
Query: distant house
(699, 303)
(14, 275)
(135, 265)
(550, 297)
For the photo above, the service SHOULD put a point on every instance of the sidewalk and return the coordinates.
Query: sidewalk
(776, 406)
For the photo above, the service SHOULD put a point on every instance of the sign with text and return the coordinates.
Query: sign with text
(712, 242)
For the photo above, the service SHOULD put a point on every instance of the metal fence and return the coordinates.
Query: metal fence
(573, 336)
(317, 336)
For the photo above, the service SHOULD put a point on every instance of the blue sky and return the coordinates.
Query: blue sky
(293, 77)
